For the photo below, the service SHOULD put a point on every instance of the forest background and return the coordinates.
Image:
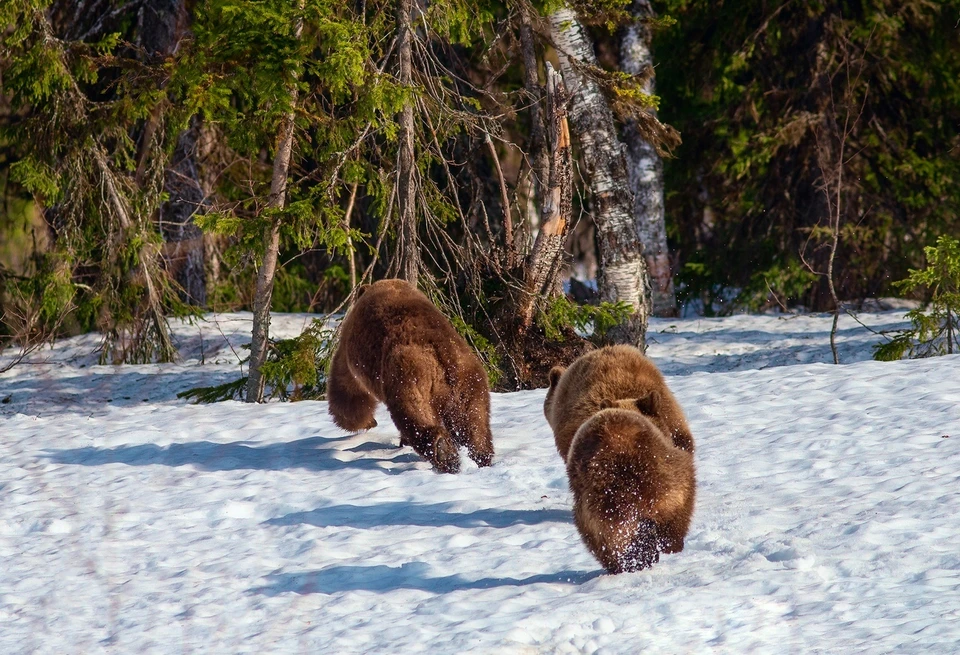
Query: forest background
(160, 158)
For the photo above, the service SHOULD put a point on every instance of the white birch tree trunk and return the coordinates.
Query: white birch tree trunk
(408, 253)
(268, 269)
(623, 270)
(645, 169)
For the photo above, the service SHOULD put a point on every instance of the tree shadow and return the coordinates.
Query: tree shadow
(761, 348)
(104, 386)
(383, 579)
(209, 456)
(768, 356)
(738, 334)
(403, 513)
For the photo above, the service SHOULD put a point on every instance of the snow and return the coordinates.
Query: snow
(131, 522)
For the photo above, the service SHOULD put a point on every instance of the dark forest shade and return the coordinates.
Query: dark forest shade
(749, 84)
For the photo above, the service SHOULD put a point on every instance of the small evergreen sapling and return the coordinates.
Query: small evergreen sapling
(592, 320)
(935, 327)
(295, 369)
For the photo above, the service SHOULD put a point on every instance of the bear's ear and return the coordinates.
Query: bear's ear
(606, 403)
(649, 404)
(555, 374)
(362, 289)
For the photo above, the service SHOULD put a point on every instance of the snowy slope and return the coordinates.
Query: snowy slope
(827, 518)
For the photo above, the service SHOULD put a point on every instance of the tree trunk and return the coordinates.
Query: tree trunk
(532, 188)
(351, 255)
(539, 157)
(407, 248)
(205, 157)
(183, 249)
(556, 210)
(268, 269)
(623, 271)
(162, 24)
(645, 169)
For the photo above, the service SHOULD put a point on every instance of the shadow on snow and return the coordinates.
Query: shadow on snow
(767, 350)
(413, 575)
(52, 391)
(402, 513)
(209, 456)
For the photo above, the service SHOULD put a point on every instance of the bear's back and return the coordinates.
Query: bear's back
(393, 315)
(603, 377)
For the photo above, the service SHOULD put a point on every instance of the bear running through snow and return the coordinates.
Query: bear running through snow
(397, 348)
(615, 376)
(629, 455)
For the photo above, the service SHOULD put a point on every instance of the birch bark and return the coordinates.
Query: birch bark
(645, 170)
(623, 272)
(408, 254)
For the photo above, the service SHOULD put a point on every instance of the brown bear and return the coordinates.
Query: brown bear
(615, 376)
(629, 455)
(633, 490)
(397, 348)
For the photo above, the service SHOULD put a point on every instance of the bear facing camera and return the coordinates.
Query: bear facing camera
(397, 348)
(629, 455)
(615, 376)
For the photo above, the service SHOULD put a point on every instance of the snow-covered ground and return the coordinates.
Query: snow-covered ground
(827, 521)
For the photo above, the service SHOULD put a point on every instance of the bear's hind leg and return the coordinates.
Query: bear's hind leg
(409, 388)
(471, 428)
(426, 436)
(350, 405)
(670, 537)
(480, 445)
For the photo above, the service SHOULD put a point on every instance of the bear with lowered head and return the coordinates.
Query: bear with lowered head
(615, 376)
(397, 348)
(629, 456)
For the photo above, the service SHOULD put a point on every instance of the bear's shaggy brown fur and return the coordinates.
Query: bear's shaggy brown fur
(629, 455)
(616, 376)
(633, 490)
(397, 348)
